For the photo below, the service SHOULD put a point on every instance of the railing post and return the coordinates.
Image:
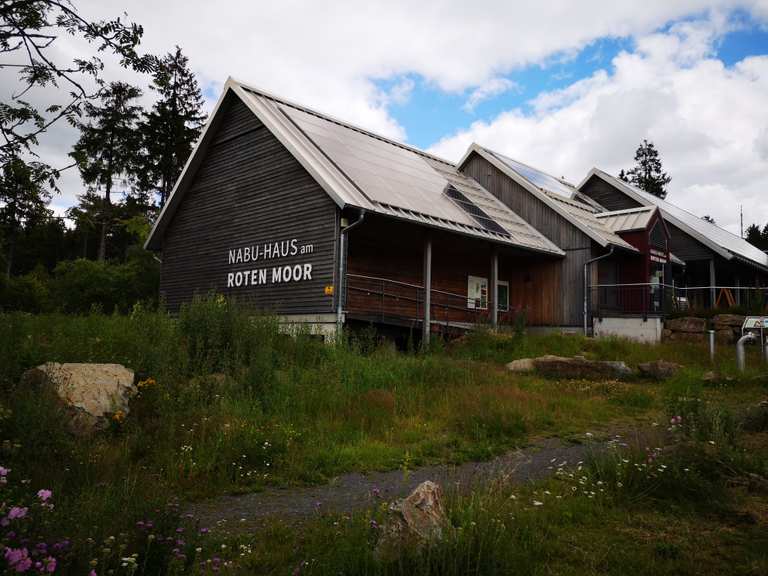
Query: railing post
(494, 290)
(427, 290)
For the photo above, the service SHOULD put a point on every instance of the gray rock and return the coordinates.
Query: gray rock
(91, 393)
(522, 365)
(577, 367)
(413, 522)
(687, 324)
(728, 321)
(658, 370)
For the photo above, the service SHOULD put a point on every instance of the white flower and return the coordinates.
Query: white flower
(537, 503)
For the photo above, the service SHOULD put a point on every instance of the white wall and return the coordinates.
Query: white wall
(648, 330)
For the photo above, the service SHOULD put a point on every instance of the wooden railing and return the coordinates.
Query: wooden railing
(385, 299)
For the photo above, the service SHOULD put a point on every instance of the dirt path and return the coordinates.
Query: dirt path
(352, 492)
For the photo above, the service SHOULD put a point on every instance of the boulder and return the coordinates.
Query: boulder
(658, 370)
(688, 337)
(90, 393)
(728, 321)
(579, 367)
(687, 324)
(725, 336)
(413, 522)
(522, 365)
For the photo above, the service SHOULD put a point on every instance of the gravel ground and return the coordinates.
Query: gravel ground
(352, 492)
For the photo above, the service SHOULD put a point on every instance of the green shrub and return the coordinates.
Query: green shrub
(79, 286)
(28, 293)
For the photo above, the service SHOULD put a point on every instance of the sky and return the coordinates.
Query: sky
(561, 85)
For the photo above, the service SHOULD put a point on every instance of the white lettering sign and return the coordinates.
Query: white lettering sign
(269, 275)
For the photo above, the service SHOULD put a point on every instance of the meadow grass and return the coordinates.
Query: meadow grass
(236, 405)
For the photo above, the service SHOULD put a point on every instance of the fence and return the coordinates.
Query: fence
(385, 300)
(655, 299)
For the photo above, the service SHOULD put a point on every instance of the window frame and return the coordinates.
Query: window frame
(477, 303)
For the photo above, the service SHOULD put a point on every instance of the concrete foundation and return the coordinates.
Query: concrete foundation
(634, 328)
(321, 325)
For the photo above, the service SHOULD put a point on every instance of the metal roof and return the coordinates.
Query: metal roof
(720, 241)
(628, 220)
(556, 193)
(364, 170)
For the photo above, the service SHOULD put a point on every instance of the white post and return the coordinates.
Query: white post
(494, 295)
(427, 290)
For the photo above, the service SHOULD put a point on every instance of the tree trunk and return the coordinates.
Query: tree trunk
(106, 214)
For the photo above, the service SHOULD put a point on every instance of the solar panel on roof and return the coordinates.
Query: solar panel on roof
(537, 177)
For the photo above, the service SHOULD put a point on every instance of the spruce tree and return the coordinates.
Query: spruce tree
(25, 189)
(172, 127)
(647, 173)
(109, 147)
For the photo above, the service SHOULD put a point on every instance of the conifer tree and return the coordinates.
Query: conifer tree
(109, 147)
(171, 128)
(647, 174)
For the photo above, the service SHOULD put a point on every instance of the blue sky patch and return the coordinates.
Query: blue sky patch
(430, 113)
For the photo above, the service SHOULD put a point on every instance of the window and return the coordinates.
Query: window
(477, 292)
(503, 296)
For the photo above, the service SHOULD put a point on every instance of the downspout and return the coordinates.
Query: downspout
(586, 285)
(342, 262)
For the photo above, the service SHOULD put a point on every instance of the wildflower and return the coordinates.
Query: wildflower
(119, 417)
(44, 495)
(17, 512)
(374, 524)
(18, 559)
(538, 503)
(4, 475)
(50, 564)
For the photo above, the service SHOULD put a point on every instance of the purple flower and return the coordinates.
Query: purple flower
(44, 495)
(92, 573)
(17, 512)
(203, 530)
(50, 564)
(18, 559)
(374, 524)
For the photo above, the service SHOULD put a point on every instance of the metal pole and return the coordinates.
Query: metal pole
(427, 290)
(494, 288)
(741, 359)
(712, 281)
(342, 272)
(711, 334)
(586, 287)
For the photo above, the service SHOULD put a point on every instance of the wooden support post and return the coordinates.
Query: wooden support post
(494, 288)
(427, 290)
(712, 284)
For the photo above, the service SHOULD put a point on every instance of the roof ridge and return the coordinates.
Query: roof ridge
(340, 122)
(624, 211)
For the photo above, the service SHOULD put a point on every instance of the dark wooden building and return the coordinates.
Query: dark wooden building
(603, 248)
(322, 222)
(718, 265)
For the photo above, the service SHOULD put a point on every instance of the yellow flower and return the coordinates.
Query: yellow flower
(147, 382)
(119, 416)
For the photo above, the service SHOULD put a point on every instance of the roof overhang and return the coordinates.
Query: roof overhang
(627, 190)
(537, 193)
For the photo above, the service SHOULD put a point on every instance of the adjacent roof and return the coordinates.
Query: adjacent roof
(628, 220)
(360, 169)
(717, 239)
(556, 193)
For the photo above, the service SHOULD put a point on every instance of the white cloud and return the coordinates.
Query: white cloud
(709, 122)
(487, 90)
(330, 55)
